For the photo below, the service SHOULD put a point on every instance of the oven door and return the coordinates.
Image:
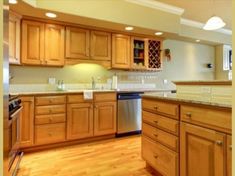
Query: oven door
(15, 135)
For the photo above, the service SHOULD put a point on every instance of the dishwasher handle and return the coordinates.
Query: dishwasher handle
(128, 96)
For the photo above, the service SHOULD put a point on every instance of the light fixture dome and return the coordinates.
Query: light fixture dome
(214, 23)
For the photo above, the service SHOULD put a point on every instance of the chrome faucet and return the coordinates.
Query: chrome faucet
(93, 83)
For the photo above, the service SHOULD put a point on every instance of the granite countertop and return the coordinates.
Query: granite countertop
(186, 99)
(43, 92)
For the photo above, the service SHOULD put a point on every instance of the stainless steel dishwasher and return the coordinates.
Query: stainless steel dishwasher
(129, 113)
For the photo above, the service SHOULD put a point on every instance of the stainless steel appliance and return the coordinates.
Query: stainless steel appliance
(15, 155)
(129, 113)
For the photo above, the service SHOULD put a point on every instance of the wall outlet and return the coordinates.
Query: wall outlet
(51, 81)
(206, 90)
(165, 81)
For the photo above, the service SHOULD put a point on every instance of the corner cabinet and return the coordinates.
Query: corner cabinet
(14, 38)
(121, 51)
(42, 44)
(100, 46)
(202, 151)
(27, 122)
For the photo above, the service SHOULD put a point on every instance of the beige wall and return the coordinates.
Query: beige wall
(188, 63)
(220, 74)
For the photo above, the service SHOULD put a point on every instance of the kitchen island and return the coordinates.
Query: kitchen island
(186, 135)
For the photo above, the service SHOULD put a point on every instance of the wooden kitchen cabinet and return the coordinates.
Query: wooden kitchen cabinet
(104, 118)
(229, 155)
(121, 56)
(202, 151)
(14, 38)
(79, 120)
(100, 45)
(42, 44)
(27, 122)
(32, 42)
(77, 43)
(54, 45)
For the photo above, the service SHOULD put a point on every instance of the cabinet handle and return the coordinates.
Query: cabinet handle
(156, 156)
(230, 147)
(156, 135)
(155, 107)
(156, 121)
(219, 143)
(188, 114)
(50, 100)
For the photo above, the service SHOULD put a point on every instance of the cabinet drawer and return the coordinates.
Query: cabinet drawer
(49, 133)
(52, 118)
(158, 135)
(105, 96)
(168, 109)
(76, 99)
(50, 100)
(161, 122)
(159, 157)
(215, 119)
(53, 109)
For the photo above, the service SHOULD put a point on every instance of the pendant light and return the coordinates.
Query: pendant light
(214, 22)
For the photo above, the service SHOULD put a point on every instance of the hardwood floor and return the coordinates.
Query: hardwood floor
(114, 157)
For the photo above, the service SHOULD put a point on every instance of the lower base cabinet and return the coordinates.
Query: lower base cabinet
(79, 120)
(104, 118)
(202, 151)
(159, 157)
(49, 133)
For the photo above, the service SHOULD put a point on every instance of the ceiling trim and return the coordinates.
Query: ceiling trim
(159, 6)
(199, 25)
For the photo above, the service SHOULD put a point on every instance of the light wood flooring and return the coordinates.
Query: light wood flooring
(114, 157)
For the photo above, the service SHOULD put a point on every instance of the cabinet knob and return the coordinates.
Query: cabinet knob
(156, 135)
(155, 107)
(189, 114)
(50, 100)
(156, 156)
(219, 143)
(230, 147)
(156, 121)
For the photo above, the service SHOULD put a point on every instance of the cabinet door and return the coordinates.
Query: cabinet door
(229, 155)
(100, 45)
(121, 51)
(79, 120)
(104, 118)
(202, 151)
(14, 39)
(27, 122)
(32, 42)
(54, 45)
(77, 43)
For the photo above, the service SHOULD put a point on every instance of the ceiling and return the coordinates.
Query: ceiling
(202, 10)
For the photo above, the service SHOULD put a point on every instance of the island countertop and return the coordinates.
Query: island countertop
(187, 99)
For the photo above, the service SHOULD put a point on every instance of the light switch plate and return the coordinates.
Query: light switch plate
(51, 81)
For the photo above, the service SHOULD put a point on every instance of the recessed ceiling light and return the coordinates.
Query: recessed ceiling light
(51, 15)
(12, 1)
(198, 40)
(158, 33)
(129, 28)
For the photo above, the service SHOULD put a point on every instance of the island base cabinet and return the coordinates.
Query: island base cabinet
(162, 159)
(104, 118)
(202, 151)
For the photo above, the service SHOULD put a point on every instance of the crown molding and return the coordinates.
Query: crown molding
(159, 6)
(199, 25)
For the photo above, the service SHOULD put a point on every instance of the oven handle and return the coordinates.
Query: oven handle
(16, 112)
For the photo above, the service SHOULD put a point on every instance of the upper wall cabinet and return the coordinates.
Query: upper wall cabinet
(100, 48)
(42, 44)
(77, 43)
(121, 51)
(14, 38)
(32, 42)
(54, 44)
